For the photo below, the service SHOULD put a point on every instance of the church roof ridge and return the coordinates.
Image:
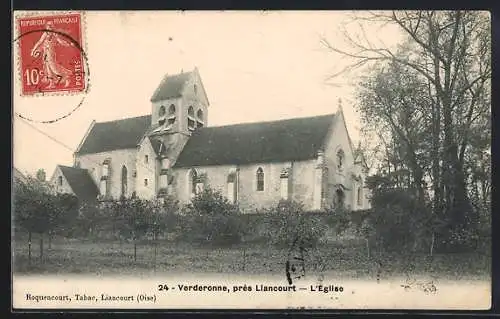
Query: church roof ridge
(123, 119)
(271, 121)
(71, 167)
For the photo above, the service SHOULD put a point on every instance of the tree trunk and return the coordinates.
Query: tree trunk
(135, 249)
(155, 251)
(41, 247)
(244, 258)
(29, 248)
(418, 181)
(432, 245)
(456, 199)
(50, 240)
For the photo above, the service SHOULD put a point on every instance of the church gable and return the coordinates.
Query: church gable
(278, 141)
(338, 146)
(344, 184)
(194, 91)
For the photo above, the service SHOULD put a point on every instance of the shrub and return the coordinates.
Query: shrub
(399, 221)
(90, 220)
(338, 219)
(169, 217)
(288, 223)
(211, 219)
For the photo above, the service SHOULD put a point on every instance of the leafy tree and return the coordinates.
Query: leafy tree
(211, 219)
(169, 216)
(289, 223)
(38, 210)
(138, 216)
(61, 221)
(398, 220)
(91, 217)
(40, 175)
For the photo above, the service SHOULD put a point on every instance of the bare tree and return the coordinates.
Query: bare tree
(450, 51)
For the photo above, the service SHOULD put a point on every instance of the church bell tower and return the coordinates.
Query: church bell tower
(179, 108)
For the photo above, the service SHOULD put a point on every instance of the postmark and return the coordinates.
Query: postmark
(51, 55)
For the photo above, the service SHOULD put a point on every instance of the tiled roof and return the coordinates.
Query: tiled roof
(80, 182)
(278, 141)
(115, 135)
(171, 86)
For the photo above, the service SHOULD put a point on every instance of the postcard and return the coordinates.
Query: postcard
(251, 160)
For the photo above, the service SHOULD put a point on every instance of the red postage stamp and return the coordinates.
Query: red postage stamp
(51, 54)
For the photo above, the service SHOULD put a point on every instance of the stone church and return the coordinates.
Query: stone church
(174, 152)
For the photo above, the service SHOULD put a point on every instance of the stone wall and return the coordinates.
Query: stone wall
(146, 170)
(249, 199)
(118, 158)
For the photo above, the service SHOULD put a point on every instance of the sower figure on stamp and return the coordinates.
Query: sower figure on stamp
(54, 73)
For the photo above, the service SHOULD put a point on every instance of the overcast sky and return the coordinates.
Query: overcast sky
(255, 66)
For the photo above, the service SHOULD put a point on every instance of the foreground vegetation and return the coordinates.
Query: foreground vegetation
(347, 260)
(212, 235)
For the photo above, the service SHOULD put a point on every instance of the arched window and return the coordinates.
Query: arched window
(360, 196)
(192, 180)
(171, 109)
(195, 89)
(124, 180)
(191, 119)
(161, 115)
(199, 118)
(59, 181)
(161, 111)
(340, 198)
(232, 190)
(284, 183)
(260, 179)
(103, 187)
(171, 114)
(105, 169)
(340, 159)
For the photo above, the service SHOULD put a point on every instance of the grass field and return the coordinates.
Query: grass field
(71, 256)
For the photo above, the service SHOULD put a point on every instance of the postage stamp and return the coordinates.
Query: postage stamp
(51, 54)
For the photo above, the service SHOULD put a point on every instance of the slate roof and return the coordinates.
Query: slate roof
(80, 181)
(115, 135)
(157, 146)
(171, 86)
(277, 141)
